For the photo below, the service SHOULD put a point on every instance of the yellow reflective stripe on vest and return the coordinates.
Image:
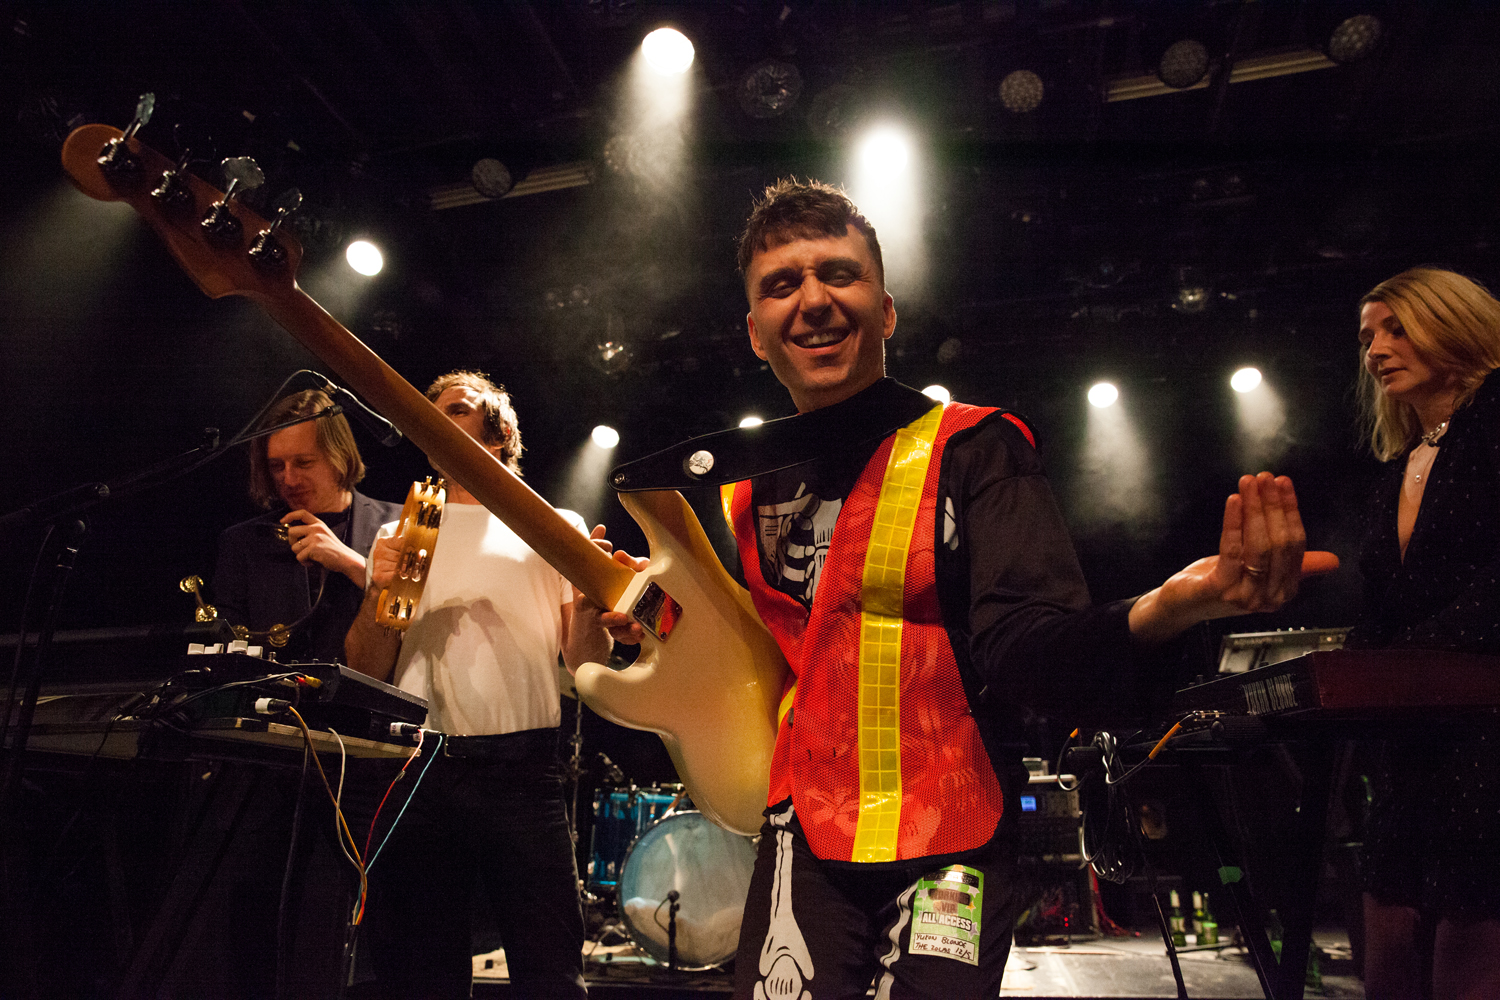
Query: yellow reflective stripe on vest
(881, 599)
(786, 704)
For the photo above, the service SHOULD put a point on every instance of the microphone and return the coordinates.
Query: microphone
(384, 431)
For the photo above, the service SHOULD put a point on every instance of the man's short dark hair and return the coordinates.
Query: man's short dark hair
(500, 424)
(800, 210)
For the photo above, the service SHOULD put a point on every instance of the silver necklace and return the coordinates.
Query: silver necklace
(1430, 439)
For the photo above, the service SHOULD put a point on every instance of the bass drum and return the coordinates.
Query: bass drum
(710, 869)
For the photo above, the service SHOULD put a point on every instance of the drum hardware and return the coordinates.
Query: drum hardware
(700, 874)
(672, 907)
(621, 816)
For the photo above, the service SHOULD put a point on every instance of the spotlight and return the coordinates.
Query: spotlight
(769, 89)
(1183, 64)
(938, 393)
(605, 437)
(668, 51)
(1355, 38)
(751, 421)
(885, 152)
(1245, 380)
(1021, 91)
(364, 257)
(1103, 394)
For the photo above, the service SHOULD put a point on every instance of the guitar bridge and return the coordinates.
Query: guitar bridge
(657, 612)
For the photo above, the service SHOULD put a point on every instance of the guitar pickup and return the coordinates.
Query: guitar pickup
(657, 612)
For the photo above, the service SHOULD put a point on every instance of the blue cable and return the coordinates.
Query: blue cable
(411, 795)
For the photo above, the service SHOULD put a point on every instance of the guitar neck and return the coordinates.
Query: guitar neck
(551, 536)
(227, 270)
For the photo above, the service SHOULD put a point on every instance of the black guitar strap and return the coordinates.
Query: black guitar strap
(746, 452)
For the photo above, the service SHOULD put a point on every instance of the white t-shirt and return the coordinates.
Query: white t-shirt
(483, 645)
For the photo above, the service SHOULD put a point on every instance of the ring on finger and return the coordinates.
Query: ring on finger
(1254, 570)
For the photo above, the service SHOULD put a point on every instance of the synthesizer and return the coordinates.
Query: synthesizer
(1351, 683)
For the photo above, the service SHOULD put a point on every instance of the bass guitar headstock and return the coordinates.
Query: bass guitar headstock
(222, 244)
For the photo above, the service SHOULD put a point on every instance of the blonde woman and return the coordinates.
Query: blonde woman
(1431, 562)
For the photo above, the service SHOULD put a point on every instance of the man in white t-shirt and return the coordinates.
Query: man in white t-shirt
(482, 649)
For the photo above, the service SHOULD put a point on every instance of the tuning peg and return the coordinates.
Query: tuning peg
(116, 158)
(173, 191)
(220, 225)
(267, 250)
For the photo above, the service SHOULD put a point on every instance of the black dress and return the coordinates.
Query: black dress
(1433, 841)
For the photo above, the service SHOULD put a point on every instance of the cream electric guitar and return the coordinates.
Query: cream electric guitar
(709, 675)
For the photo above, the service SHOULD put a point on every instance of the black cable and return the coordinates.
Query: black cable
(147, 479)
(269, 678)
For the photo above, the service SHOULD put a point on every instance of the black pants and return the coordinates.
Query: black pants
(497, 820)
(824, 930)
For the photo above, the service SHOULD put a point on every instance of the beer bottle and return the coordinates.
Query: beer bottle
(1174, 920)
(1208, 927)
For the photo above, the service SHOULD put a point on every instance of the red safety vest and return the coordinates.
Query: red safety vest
(877, 746)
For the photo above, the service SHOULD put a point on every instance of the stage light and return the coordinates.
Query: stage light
(885, 152)
(1021, 91)
(751, 421)
(1245, 380)
(491, 178)
(769, 88)
(938, 393)
(887, 186)
(612, 356)
(1115, 490)
(1183, 64)
(364, 257)
(605, 437)
(1355, 38)
(668, 51)
(1194, 292)
(1103, 394)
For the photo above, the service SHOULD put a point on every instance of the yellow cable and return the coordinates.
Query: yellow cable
(359, 861)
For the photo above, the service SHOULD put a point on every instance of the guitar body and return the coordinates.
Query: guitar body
(711, 690)
(421, 516)
(709, 687)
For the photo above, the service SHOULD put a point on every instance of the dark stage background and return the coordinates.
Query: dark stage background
(1160, 242)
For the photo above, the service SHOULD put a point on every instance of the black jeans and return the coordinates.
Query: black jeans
(495, 819)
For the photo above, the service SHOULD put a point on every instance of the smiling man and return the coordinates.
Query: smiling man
(303, 563)
(921, 583)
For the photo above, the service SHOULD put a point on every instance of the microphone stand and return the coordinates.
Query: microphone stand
(672, 907)
(62, 517)
(71, 505)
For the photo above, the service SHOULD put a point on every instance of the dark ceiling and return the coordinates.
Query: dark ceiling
(1121, 228)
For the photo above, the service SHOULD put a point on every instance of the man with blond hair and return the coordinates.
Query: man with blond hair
(301, 565)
